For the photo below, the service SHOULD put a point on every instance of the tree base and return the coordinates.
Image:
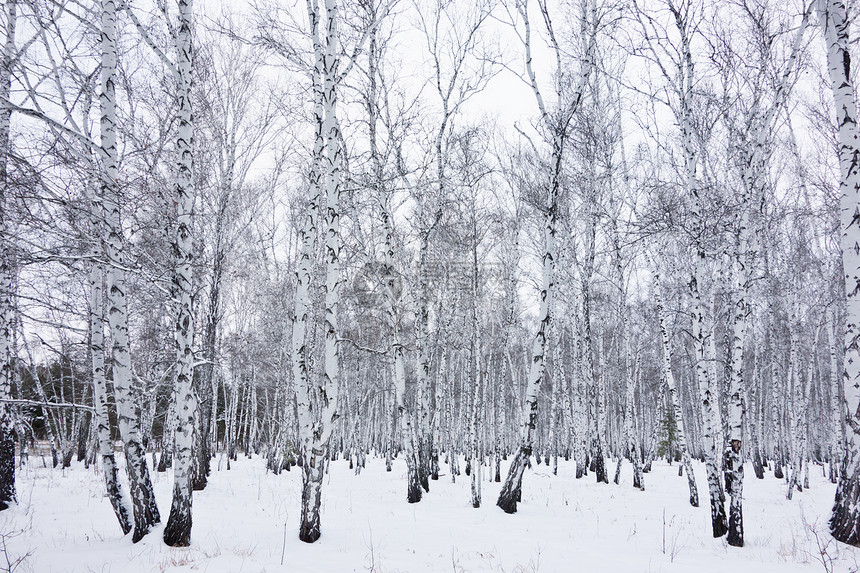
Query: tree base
(845, 520)
(7, 462)
(177, 532)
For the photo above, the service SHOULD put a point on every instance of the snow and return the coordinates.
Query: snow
(247, 521)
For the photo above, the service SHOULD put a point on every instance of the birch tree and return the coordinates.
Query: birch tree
(101, 420)
(755, 151)
(377, 104)
(675, 62)
(460, 69)
(554, 123)
(845, 520)
(7, 421)
(672, 387)
(146, 514)
(317, 402)
(177, 532)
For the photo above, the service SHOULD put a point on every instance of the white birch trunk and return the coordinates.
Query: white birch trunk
(476, 365)
(631, 440)
(422, 445)
(734, 451)
(557, 383)
(252, 422)
(146, 513)
(755, 160)
(845, 521)
(307, 239)
(718, 512)
(177, 532)
(119, 502)
(775, 413)
(795, 399)
(318, 402)
(580, 408)
(673, 390)
(836, 404)
(7, 416)
(556, 129)
(101, 421)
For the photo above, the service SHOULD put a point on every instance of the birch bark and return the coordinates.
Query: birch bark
(836, 404)
(120, 503)
(317, 403)
(845, 520)
(144, 506)
(718, 512)
(177, 532)
(672, 387)
(7, 417)
(556, 128)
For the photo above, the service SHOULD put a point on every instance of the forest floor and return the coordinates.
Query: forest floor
(247, 521)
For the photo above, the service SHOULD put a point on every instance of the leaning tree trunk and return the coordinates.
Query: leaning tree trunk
(101, 421)
(120, 504)
(673, 391)
(145, 509)
(511, 489)
(557, 128)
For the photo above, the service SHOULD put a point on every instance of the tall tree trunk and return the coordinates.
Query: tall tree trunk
(674, 400)
(557, 383)
(316, 427)
(475, 367)
(101, 420)
(424, 444)
(845, 520)
(734, 451)
(836, 404)
(795, 400)
(511, 489)
(7, 417)
(145, 509)
(631, 440)
(177, 532)
(120, 504)
(700, 336)
(776, 400)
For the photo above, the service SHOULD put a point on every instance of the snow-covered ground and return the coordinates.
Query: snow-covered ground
(247, 521)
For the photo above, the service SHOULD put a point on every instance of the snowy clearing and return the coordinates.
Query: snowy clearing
(247, 521)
